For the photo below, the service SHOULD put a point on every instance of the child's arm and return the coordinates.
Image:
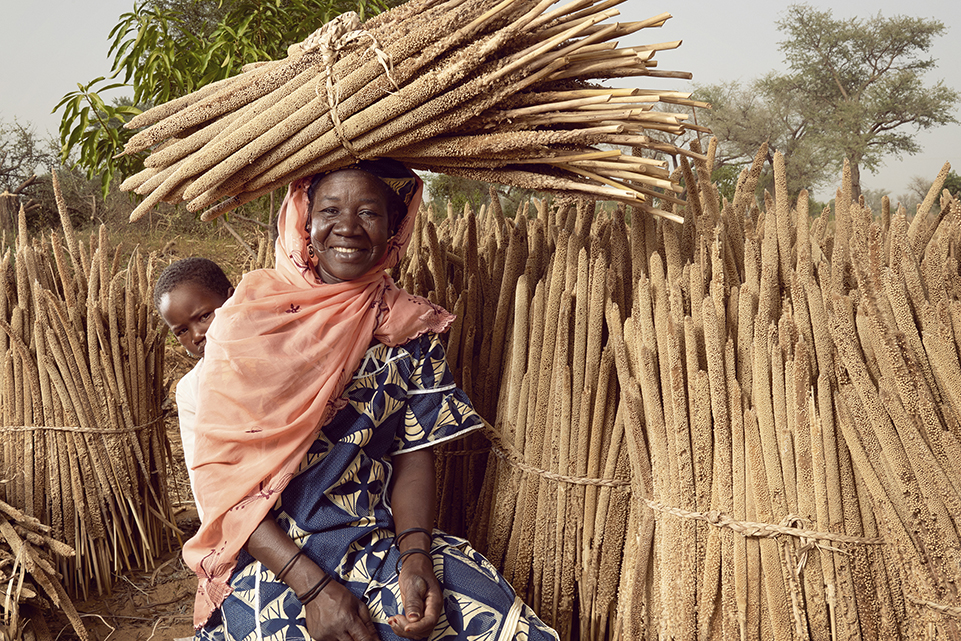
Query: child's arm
(187, 389)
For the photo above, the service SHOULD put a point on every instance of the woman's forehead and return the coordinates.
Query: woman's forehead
(365, 186)
(349, 175)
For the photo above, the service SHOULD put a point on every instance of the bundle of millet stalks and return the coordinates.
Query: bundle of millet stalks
(83, 444)
(29, 578)
(742, 427)
(499, 92)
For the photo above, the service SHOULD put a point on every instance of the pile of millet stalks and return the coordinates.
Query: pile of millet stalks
(28, 576)
(83, 446)
(745, 426)
(501, 92)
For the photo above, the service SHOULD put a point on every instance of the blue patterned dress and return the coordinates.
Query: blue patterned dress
(337, 508)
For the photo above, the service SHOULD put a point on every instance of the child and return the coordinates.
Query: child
(186, 295)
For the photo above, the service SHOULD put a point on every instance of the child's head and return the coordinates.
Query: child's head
(186, 295)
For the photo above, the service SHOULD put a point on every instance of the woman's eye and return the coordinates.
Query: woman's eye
(180, 332)
(204, 317)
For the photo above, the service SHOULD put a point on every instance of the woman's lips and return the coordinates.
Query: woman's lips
(347, 252)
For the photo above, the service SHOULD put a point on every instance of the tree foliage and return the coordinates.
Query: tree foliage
(725, 178)
(21, 154)
(164, 49)
(444, 189)
(859, 82)
(953, 184)
(745, 117)
(853, 91)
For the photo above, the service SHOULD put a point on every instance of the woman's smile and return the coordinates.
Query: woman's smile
(348, 251)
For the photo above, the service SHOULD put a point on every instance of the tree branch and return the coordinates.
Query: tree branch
(249, 220)
(26, 183)
(233, 232)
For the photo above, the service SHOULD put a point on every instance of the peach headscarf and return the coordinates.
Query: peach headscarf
(279, 354)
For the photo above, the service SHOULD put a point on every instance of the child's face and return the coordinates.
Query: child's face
(188, 309)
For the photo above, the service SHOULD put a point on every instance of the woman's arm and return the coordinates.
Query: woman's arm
(413, 502)
(335, 613)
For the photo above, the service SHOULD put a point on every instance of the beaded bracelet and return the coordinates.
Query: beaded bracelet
(403, 555)
(413, 530)
(312, 593)
(288, 565)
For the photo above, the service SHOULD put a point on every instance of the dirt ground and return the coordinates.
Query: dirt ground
(155, 603)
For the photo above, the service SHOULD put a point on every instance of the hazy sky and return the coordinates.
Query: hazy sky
(47, 48)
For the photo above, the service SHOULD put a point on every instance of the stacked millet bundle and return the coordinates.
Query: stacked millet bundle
(84, 446)
(745, 426)
(499, 92)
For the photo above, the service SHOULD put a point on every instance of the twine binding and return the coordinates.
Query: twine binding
(329, 41)
(763, 530)
(506, 453)
(76, 429)
(788, 526)
(442, 453)
(949, 610)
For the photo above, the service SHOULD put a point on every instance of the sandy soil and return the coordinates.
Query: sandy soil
(144, 605)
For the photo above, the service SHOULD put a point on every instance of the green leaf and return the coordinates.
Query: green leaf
(160, 54)
(96, 101)
(84, 119)
(74, 138)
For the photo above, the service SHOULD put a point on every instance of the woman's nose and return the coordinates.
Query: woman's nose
(347, 223)
(196, 335)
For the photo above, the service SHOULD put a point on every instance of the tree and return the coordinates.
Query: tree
(745, 117)
(168, 48)
(21, 154)
(725, 178)
(953, 184)
(458, 191)
(444, 188)
(919, 186)
(858, 83)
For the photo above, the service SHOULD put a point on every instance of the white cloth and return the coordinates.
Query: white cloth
(187, 389)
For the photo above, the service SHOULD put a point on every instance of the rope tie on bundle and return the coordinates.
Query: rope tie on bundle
(477, 451)
(507, 453)
(77, 429)
(809, 539)
(766, 530)
(329, 41)
(949, 610)
(789, 525)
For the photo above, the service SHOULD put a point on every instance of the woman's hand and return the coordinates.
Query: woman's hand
(422, 598)
(337, 615)
(412, 499)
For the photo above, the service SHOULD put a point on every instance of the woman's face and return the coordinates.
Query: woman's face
(349, 225)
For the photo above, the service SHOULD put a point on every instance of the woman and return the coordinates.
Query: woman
(323, 390)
